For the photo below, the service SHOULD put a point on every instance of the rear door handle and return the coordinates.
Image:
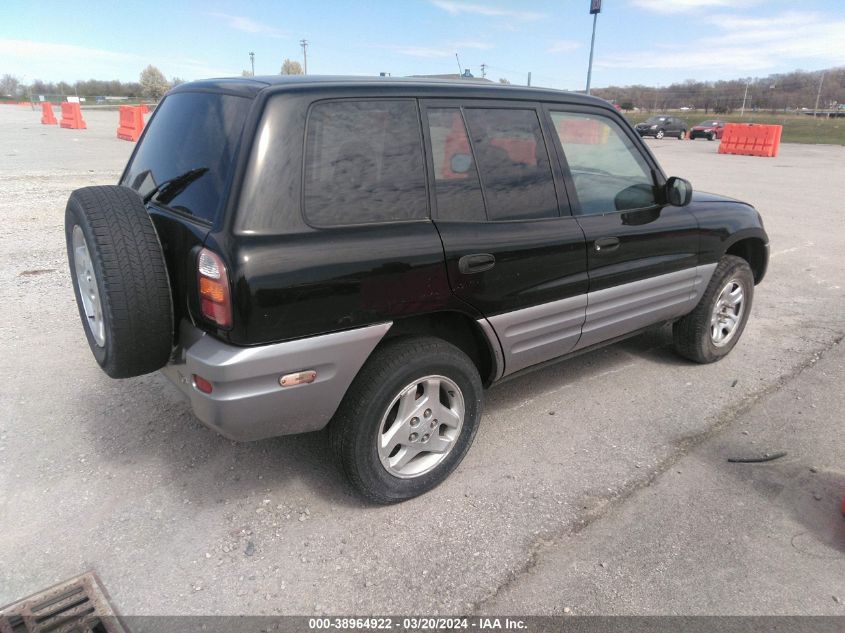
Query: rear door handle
(478, 263)
(607, 244)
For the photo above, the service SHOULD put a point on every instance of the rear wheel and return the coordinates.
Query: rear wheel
(682, 135)
(711, 331)
(119, 279)
(408, 419)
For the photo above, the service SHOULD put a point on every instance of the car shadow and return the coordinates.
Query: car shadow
(154, 424)
(812, 497)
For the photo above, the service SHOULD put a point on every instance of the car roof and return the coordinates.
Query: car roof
(468, 88)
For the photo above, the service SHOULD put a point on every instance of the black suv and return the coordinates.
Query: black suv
(660, 126)
(369, 255)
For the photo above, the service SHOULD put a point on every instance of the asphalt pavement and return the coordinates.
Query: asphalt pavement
(571, 497)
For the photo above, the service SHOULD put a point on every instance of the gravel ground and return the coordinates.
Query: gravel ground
(118, 477)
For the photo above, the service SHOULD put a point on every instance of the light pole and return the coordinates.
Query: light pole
(304, 44)
(818, 95)
(252, 61)
(595, 9)
(744, 97)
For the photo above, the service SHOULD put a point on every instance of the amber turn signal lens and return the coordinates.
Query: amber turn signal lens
(299, 378)
(213, 290)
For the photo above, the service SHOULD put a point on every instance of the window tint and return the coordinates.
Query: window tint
(458, 191)
(190, 130)
(363, 163)
(513, 163)
(609, 172)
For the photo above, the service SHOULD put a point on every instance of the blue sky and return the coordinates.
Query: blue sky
(638, 41)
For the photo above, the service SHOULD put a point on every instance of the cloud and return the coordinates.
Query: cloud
(53, 61)
(682, 6)
(563, 46)
(456, 8)
(745, 44)
(248, 25)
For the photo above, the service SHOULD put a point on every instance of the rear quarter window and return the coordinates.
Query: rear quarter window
(364, 163)
(190, 130)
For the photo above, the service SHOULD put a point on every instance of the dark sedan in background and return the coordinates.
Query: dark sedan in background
(660, 126)
(711, 130)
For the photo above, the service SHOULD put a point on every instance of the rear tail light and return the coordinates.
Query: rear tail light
(213, 282)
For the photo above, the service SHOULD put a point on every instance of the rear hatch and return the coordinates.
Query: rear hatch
(183, 166)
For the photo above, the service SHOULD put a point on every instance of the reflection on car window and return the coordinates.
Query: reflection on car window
(609, 172)
(457, 189)
(206, 128)
(363, 163)
(513, 163)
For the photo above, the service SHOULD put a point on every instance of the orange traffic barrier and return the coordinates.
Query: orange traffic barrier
(748, 139)
(131, 123)
(47, 116)
(72, 117)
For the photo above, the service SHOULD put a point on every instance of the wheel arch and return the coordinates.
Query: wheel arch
(754, 250)
(475, 338)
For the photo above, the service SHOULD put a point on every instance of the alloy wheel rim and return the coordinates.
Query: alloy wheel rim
(89, 291)
(421, 426)
(727, 313)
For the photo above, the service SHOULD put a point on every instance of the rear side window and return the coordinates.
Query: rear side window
(512, 159)
(364, 163)
(190, 131)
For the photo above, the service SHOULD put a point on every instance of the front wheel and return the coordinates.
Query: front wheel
(659, 134)
(408, 419)
(711, 331)
(711, 136)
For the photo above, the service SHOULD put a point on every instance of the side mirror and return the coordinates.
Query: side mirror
(678, 191)
(460, 163)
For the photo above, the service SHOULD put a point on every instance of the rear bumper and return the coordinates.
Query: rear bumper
(247, 402)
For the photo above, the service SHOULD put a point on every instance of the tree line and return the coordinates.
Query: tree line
(775, 93)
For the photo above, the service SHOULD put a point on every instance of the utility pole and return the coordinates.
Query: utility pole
(460, 69)
(304, 44)
(818, 95)
(595, 9)
(529, 78)
(252, 61)
(744, 97)
(483, 70)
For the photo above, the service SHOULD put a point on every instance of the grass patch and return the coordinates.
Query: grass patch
(797, 128)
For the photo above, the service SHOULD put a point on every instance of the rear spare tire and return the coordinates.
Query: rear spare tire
(119, 280)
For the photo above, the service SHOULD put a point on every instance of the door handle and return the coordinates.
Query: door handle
(607, 244)
(478, 263)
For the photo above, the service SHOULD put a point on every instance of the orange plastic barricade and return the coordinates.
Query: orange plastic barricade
(748, 139)
(131, 123)
(47, 116)
(72, 117)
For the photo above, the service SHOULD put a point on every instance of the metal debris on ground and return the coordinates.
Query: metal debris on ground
(766, 457)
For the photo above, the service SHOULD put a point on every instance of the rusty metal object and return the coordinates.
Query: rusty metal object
(78, 605)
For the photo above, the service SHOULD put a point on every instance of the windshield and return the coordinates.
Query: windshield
(191, 132)
(708, 124)
(655, 119)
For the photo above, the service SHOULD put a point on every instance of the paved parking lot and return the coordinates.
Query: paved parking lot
(598, 485)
